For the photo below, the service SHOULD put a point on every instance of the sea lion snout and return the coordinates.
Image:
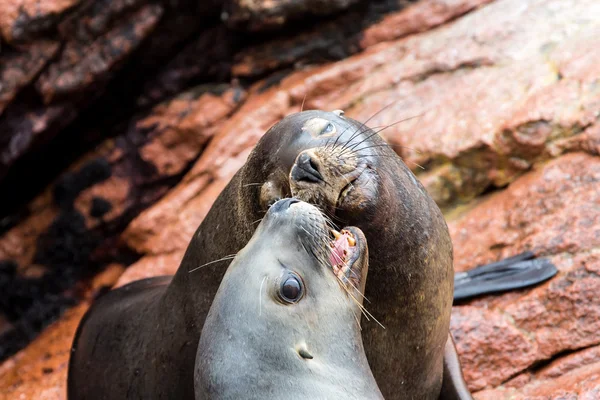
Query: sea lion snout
(306, 168)
(324, 175)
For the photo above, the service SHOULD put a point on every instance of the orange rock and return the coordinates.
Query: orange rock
(552, 212)
(508, 89)
(19, 17)
(40, 371)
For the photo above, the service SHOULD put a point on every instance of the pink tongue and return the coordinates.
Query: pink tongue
(340, 248)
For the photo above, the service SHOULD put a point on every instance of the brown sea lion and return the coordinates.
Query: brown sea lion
(284, 322)
(140, 340)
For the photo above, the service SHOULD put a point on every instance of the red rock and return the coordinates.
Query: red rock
(72, 228)
(83, 63)
(19, 19)
(509, 87)
(491, 347)
(18, 68)
(350, 33)
(167, 139)
(552, 211)
(40, 371)
(580, 384)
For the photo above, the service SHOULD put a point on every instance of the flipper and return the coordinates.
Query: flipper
(453, 383)
(517, 272)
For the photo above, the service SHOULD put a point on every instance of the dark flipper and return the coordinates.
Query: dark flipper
(453, 383)
(516, 272)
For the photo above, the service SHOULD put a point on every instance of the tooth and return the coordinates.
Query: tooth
(351, 240)
(336, 234)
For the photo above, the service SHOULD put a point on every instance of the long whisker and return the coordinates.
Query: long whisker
(386, 127)
(348, 281)
(364, 124)
(357, 321)
(229, 257)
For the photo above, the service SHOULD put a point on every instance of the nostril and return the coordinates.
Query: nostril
(311, 164)
(306, 169)
(283, 204)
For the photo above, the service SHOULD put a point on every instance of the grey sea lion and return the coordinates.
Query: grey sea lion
(283, 324)
(140, 341)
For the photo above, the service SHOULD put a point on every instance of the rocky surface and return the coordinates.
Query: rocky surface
(72, 228)
(496, 112)
(267, 14)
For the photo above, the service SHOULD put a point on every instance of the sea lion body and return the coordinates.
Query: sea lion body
(360, 181)
(259, 344)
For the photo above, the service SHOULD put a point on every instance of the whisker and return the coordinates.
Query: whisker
(229, 257)
(381, 130)
(302, 106)
(357, 320)
(364, 124)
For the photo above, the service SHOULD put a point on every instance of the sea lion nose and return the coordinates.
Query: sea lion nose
(283, 204)
(306, 169)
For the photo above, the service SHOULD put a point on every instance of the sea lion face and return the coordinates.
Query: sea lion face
(285, 320)
(326, 159)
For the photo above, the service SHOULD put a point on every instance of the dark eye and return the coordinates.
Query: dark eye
(328, 129)
(291, 289)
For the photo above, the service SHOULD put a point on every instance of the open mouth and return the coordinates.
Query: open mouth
(343, 257)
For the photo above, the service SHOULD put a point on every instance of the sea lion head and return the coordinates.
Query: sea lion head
(286, 319)
(330, 160)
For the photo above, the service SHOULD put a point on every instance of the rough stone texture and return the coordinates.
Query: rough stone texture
(373, 23)
(505, 99)
(18, 68)
(267, 14)
(72, 228)
(82, 63)
(40, 373)
(20, 19)
(69, 73)
(579, 383)
(216, 45)
(555, 212)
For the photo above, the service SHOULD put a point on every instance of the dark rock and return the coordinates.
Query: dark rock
(265, 14)
(100, 206)
(64, 233)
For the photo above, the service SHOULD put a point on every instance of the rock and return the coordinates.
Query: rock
(87, 59)
(84, 73)
(23, 19)
(68, 237)
(501, 109)
(349, 33)
(40, 372)
(552, 211)
(576, 376)
(217, 44)
(266, 14)
(19, 67)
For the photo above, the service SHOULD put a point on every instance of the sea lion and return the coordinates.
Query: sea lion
(140, 341)
(285, 320)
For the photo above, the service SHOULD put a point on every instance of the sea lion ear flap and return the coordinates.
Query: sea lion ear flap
(339, 113)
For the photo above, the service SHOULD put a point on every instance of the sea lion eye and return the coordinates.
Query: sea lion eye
(329, 128)
(291, 289)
